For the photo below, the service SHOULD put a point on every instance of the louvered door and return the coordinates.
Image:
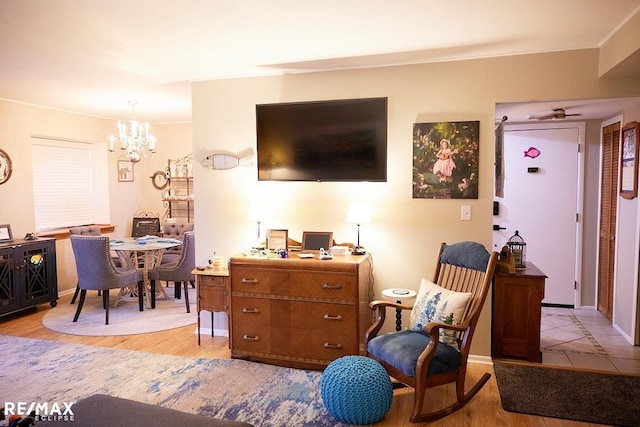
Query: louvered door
(608, 208)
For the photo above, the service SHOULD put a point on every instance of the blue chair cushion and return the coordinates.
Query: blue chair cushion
(466, 254)
(356, 390)
(401, 350)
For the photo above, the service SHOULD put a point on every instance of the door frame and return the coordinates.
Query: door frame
(579, 229)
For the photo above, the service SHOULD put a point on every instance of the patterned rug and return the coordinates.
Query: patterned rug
(260, 394)
(124, 319)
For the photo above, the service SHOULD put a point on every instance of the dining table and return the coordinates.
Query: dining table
(143, 253)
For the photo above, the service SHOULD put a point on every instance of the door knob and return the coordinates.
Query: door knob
(497, 227)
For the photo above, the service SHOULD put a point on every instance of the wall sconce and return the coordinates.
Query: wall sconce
(359, 213)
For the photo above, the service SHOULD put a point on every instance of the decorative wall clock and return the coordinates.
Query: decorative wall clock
(5, 166)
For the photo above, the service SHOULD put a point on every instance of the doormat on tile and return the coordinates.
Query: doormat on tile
(255, 393)
(593, 397)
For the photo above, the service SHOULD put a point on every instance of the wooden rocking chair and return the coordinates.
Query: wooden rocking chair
(417, 358)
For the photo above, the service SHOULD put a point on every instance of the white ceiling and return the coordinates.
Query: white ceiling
(94, 56)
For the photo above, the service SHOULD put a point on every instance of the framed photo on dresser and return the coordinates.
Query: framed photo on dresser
(277, 239)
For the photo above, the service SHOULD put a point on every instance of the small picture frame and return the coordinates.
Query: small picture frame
(629, 161)
(312, 241)
(5, 233)
(125, 171)
(277, 239)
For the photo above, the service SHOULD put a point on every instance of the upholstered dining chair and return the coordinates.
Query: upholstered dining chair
(434, 349)
(88, 230)
(96, 271)
(174, 230)
(179, 272)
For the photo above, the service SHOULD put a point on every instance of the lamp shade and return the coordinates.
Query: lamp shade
(359, 213)
(258, 212)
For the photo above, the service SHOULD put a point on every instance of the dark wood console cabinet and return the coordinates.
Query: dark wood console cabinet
(517, 309)
(301, 313)
(28, 274)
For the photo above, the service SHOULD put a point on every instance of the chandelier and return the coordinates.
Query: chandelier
(135, 142)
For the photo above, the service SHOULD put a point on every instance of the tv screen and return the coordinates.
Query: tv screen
(337, 140)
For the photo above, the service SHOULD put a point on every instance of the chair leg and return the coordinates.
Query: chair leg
(141, 295)
(105, 302)
(153, 294)
(186, 295)
(177, 286)
(83, 293)
(75, 294)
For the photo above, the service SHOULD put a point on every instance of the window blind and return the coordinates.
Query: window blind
(64, 181)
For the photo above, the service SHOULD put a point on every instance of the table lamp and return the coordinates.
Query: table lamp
(258, 213)
(358, 213)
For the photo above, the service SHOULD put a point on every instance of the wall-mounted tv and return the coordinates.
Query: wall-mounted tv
(336, 140)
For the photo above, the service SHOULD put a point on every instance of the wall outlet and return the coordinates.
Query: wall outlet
(465, 213)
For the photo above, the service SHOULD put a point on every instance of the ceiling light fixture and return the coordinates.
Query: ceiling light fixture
(135, 142)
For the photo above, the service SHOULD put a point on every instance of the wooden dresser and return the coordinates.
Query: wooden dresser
(517, 307)
(300, 313)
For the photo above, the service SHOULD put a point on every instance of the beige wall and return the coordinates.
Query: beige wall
(405, 232)
(404, 235)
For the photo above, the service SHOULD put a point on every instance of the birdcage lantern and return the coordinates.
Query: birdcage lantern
(519, 250)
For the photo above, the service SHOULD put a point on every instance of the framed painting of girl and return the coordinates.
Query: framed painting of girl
(445, 160)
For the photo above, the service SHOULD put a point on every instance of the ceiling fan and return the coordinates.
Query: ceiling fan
(556, 114)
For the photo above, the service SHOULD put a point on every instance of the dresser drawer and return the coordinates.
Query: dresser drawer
(212, 280)
(295, 284)
(320, 331)
(251, 324)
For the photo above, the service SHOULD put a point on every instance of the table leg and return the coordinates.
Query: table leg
(398, 317)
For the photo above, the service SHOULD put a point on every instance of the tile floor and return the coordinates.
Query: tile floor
(584, 338)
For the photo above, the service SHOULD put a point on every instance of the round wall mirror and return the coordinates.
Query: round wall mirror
(5, 166)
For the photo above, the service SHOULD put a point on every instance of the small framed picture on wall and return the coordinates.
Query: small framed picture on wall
(125, 171)
(629, 161)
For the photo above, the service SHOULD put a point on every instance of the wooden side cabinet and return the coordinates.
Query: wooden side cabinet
(212, 293)
(517, 307)
(28, 275)
(300, 313)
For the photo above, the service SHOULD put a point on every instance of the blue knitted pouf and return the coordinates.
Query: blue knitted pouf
(356, 390)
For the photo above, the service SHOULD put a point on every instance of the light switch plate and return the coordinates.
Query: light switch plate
(465, 213)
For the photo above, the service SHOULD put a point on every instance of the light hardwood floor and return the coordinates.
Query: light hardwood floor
(483, 410)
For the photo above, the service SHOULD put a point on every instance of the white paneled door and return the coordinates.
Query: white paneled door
(542, 199)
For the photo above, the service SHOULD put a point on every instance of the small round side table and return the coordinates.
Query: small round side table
(398, 294)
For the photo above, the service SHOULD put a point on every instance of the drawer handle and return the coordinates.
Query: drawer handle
(250, 281)
(328, 286)
(251, 338)
(335, 346)
(250, 310)
(330, 317)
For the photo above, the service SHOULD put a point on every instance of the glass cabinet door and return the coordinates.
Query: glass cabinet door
(8, 297)
(38, 264)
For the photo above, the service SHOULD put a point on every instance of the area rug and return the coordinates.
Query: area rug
(592, 397)
(260, 394)
(124, 319)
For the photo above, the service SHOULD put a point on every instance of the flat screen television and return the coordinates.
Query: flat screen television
(336, 140)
